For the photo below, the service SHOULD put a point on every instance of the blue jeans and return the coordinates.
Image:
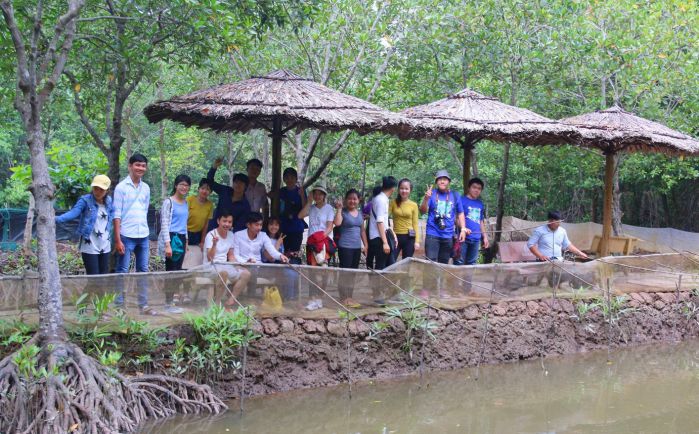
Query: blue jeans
(141, 248)
(469, 251)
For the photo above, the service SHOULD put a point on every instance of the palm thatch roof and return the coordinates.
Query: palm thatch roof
(473, 116)
(249, 104)
(614, 130)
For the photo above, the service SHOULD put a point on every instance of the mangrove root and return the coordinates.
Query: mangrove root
(68, 391)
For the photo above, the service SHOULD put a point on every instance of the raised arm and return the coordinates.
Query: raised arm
(211, 174)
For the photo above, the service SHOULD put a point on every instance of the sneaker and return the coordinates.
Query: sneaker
(314, 304)
(380, 302)
(147, 310)
(173, 309)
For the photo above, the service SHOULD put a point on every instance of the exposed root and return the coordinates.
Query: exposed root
(86, 397)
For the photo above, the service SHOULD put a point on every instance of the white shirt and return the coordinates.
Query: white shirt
(244, 248)
(318, 218)
(131, 206)
(99, 241)
(549, 243)
(256, 196)
(222, 246)
(379, 214)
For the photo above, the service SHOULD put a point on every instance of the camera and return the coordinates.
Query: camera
(440, 220)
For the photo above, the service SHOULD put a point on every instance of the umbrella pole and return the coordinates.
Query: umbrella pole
(607, 212)
(277, 137)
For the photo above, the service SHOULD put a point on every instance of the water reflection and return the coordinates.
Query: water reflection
(647, 389)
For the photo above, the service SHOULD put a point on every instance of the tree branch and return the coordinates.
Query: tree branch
(66, 24)
(81, 113)
(23, 76)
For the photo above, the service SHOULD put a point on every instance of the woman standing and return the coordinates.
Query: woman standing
(172, 241)
(320, 225)
(95, 211)
(352, 242)
(405, 220)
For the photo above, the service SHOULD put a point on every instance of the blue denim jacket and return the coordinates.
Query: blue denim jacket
(86, 210)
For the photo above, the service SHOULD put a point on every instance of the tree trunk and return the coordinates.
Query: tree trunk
(28, 225)
(50, 301)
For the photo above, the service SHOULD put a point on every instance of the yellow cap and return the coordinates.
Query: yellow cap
(101, 181)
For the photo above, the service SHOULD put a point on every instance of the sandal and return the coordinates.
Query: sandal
(348, 302)
(149, 311)
(186, 299)
(176, 299)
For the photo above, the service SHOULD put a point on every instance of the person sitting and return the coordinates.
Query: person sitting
(230, 198)
(218, 247)
(248, 244)
(549, 241)
(275, 234)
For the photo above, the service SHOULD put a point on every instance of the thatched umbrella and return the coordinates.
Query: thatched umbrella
(278, 102)
(615, 130)
(469, 117)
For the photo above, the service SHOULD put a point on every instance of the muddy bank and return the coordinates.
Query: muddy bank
(295, 353)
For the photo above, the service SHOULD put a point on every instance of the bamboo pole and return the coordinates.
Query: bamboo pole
(607, 207)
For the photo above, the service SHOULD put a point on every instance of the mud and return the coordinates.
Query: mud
(295, 353)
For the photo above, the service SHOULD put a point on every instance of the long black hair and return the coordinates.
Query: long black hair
(400, 199)
(180, 178)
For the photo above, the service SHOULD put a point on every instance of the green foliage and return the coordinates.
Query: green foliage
(15, 332)
(27, 359)
(410, 312)
(71, 172)
(557, 58)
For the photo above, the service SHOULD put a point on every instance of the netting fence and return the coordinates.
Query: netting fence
(444, 286)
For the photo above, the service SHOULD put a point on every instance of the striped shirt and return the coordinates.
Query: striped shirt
(131, 206)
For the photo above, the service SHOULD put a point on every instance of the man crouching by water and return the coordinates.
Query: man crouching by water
(218, 247)
(549, 241)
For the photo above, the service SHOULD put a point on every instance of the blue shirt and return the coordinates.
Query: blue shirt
(290, 205)
(87, 210)
(474, 212)
(449, 206)
(550, 243)
(131, 207)
(240, 209)
(180, 213)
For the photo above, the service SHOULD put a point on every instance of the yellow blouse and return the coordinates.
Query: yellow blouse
(405, 217)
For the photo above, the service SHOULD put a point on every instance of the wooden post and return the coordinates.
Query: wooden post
(607, 208)
(467, 147)
(277, 137)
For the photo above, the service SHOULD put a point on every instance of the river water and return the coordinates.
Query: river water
(653, 389)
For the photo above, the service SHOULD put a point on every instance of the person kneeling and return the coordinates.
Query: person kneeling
(218, 246)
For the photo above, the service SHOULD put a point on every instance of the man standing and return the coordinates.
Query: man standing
(474, 215)
(549, 241)
(256, 193)
(379, 239)
(131, 200)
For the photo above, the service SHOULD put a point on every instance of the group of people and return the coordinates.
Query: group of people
(232, 230)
